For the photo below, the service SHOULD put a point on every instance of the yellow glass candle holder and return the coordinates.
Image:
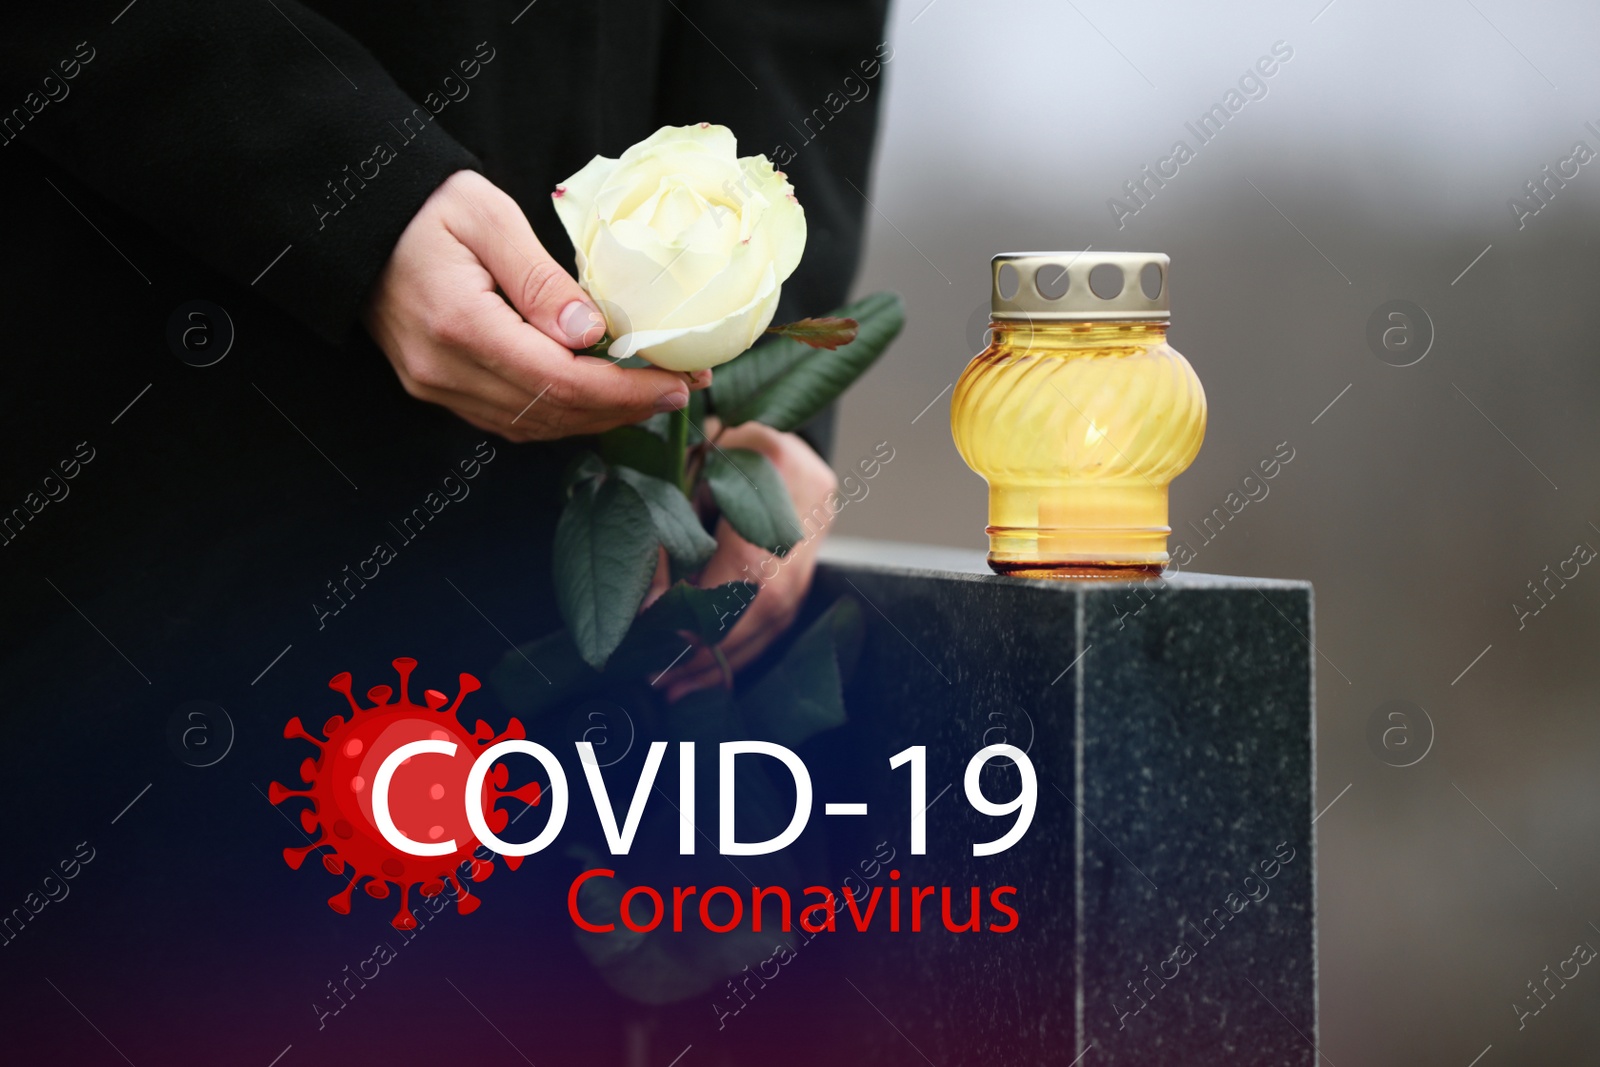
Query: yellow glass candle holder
(1078, 414)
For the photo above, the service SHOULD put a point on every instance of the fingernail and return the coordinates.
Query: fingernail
(700, 379)
(672, 401)
(579, 321)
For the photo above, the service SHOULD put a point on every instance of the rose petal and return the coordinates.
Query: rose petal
(698, 347)
(683, 244)
(632, 266)
(575, 202)
(713, 139)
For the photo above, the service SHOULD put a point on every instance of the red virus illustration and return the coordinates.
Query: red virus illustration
(425, 794)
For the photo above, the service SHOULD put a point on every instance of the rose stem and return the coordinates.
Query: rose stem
(677, 446)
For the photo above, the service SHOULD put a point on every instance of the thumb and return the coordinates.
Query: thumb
(495, 230)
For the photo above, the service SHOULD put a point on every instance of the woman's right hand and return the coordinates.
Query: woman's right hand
(504, 364)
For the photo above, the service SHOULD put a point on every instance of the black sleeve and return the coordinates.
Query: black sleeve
(251, 135)
(799, 82)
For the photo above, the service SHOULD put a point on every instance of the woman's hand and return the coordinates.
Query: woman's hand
(504, 364)
(810, 481)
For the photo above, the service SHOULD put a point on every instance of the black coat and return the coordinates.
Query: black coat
(171, 532)
(169, 152)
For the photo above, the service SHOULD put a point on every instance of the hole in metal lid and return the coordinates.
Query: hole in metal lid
(1009, 281)
(1051, 281)
(1106, 281)
(1150, 280)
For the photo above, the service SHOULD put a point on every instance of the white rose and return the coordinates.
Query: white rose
(683, 245)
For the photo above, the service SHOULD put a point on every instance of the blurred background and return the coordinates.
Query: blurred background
(1376, 167)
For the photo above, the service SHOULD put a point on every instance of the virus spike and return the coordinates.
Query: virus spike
(514, 731)
(528, 794)
(332, 725)
(308, 819)
(434, 699)
(308, 770)
(341, 683)
(466, 903)
(340, 901)
(405, 665)
(469, 684)
(295, 730)
(513, 862)
(481, 869)
(334, 864)
(377, 889)
(431, 889)
(380, 694)
(294, 857)
(277, 793)
(403, 919)
(482, 732)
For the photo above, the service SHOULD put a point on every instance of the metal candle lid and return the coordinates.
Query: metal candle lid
(1055, 286)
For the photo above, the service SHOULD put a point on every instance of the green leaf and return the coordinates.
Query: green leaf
(540, 675)
(803, 694)
(584, 467)
(753, 498)
(826, 332)
(605, 554)
(784, 382)
(703, 715)
(659, 637)
(707, 613)
(685, 540)
(636, 447)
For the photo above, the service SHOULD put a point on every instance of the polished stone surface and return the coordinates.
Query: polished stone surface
(1165, 887)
